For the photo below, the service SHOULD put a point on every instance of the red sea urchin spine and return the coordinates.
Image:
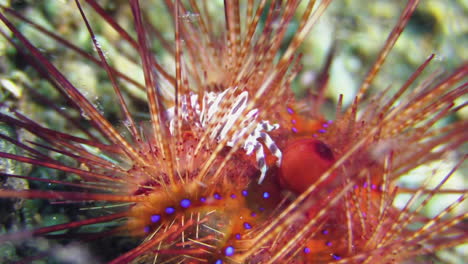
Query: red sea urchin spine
(186, 185)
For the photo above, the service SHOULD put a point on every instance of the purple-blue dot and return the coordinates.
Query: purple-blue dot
(330, 121)
(325, 232)
(247, 225)
(238, 236)
(217, 196)
(155, 218)
(203, 199)
(306, 250)
(356, 186)
(244, 193)
(266, 195)
(373, 187)
(290, 111)
(294, 130)
(253, 214)
(170, 210)
(219, 261)
(293, 121)
(261, 209)
(233, 196)
(365, 185)
(146, 229)
(328, 243)
(322, 131)
(185, 203)
(325, 125)
(336, 257)
(229, 251)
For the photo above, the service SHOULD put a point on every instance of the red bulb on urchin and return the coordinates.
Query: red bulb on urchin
(304, 162)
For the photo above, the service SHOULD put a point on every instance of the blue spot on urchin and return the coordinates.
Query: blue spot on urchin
(247, 225)
(229, 251)
(266, 195)
(306, 250)
(155, 218)
(325, 232)
(185, 203)
(244, 193)
(170, 210)
(146, 229)
(203, 199)
(238, 236)
(335, 257)
(328, 243)
(219, 261)
(233, 196)
(217, 196)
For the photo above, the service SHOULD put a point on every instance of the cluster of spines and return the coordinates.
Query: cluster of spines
(236, 47)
